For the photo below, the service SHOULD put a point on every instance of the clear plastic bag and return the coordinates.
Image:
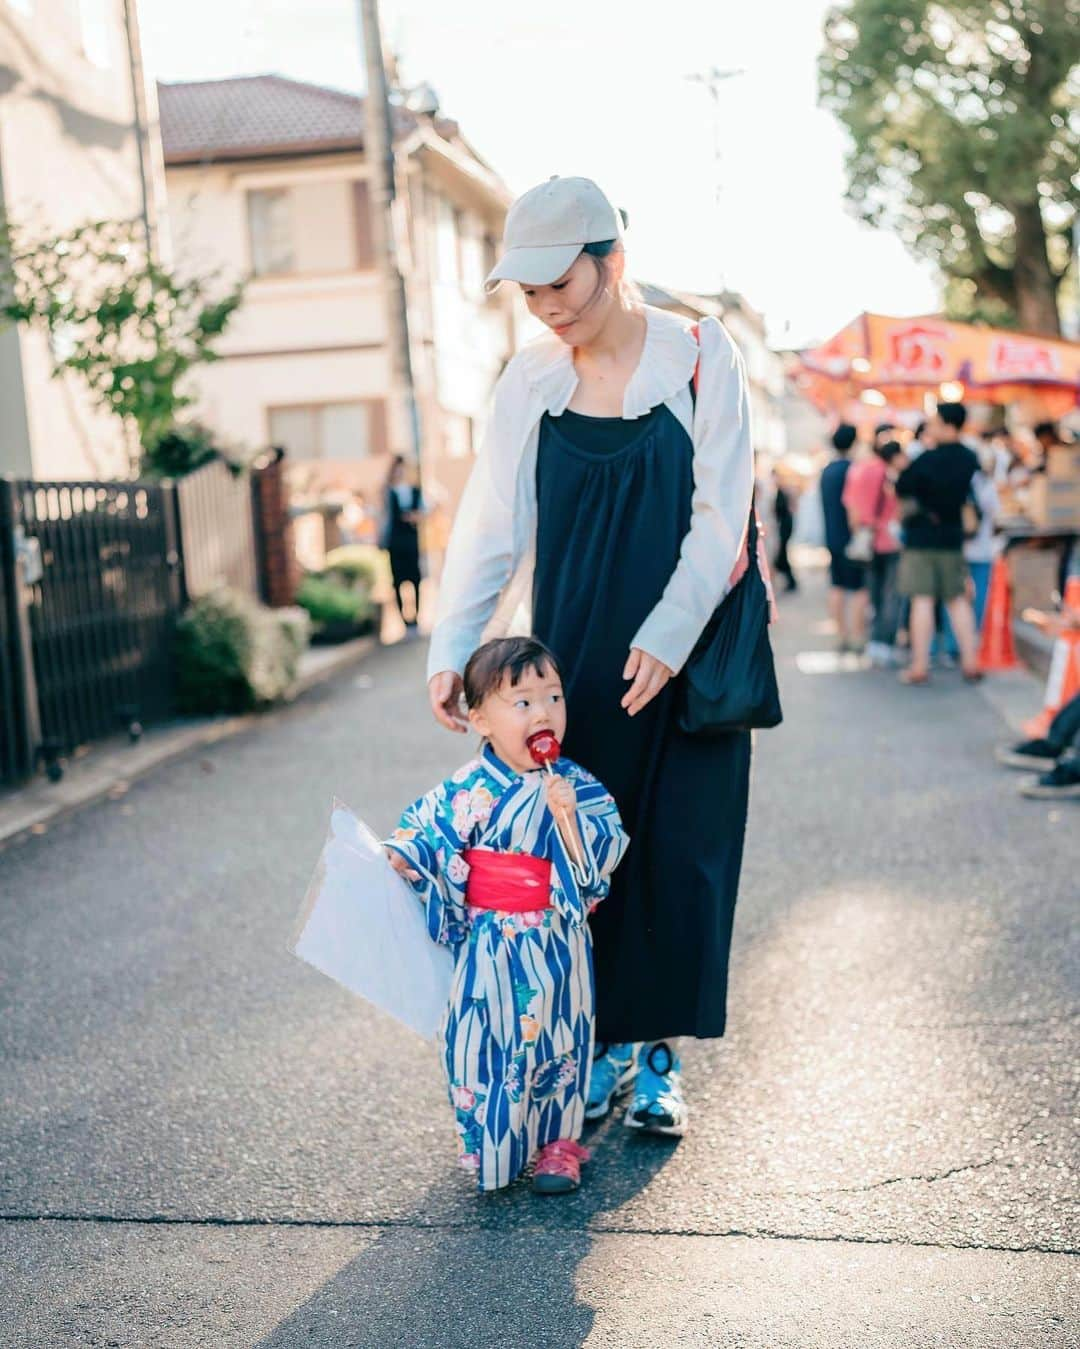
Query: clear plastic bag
(362, 925)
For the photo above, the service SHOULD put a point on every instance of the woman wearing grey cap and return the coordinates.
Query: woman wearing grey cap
(611, 499)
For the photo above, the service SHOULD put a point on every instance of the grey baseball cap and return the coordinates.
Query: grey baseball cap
(547, 228)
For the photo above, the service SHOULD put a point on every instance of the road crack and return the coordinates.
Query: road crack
(566, 1229)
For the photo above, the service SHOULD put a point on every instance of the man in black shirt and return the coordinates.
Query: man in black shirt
(932, 568)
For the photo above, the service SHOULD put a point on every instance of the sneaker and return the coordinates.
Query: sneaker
(558, 1167)
(881, 655)
(614, 1068)
(1028, 754)
(658, 1104)
(1063, 780)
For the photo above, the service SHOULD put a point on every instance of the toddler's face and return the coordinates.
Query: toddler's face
(510, 714)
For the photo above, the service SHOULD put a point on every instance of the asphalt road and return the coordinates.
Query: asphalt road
(204, 1142)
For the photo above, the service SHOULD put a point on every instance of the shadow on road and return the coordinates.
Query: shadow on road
(503, 1275)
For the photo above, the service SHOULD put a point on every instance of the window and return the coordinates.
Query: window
(271, 229)
(94, 21)
(338, 431)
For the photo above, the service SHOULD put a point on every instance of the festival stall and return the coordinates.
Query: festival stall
(879, 368)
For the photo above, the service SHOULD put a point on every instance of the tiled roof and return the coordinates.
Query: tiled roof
(258, 115)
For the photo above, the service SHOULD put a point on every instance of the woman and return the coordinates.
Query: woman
(604, 496)
(402, 512)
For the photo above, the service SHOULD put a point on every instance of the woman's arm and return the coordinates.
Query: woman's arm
(723, 486)
(480, 553)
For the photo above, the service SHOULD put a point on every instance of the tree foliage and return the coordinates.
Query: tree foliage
(965, 122)
(129, 327)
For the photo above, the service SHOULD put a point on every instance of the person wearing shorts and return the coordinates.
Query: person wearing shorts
(932, 567)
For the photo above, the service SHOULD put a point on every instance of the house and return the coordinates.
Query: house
(266, 176)
(76, 144)
(764, 367)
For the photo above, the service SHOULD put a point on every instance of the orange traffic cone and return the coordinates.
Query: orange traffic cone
(996, 650)
(1063, 681)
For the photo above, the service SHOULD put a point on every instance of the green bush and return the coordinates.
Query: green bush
(234, 654)
(360, 564)
(333, 604)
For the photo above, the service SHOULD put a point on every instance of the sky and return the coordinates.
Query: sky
(600, 88)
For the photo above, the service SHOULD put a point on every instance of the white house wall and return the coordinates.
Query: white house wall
(68, 155)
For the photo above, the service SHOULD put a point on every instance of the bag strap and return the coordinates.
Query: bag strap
(695, 378)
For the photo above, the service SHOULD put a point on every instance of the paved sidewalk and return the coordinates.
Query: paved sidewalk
(109, 767)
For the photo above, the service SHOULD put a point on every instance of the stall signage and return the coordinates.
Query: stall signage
(919, 351)
(1016, 358)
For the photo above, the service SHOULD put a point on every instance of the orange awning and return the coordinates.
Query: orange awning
(897, 361)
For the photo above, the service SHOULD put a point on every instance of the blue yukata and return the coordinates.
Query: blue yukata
(518, 1034)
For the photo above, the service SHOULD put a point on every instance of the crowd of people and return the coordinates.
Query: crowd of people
(910, 524)
(909, 521)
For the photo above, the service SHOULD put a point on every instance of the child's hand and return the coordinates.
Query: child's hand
(561, 796)
(401, 866)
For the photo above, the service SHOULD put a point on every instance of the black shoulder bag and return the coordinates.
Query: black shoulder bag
(729, 680)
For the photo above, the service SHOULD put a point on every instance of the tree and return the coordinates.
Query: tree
(128, 326)
(966, 139)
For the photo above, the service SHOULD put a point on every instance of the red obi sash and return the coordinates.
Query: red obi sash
(513, 882)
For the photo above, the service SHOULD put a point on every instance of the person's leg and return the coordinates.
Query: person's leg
(874, 578)
(614, 1068)
(1064, 732)
(980, 576)
(398, 577)
(963, 623)
(1062, 737)
(414, 587)
(859, 602)
(837, 612)
(922, 634)
(890, 599)
(953, 591)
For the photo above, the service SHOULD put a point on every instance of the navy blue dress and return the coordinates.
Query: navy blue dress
(614, 503)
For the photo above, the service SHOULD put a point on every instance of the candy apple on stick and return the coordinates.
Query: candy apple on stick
(545, 750)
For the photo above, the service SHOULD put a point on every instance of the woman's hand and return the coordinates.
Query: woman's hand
(444, 691)
(649, 676)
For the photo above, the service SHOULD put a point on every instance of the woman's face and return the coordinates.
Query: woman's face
(576, 306)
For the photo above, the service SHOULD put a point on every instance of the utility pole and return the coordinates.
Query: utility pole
(379, 153)
(712, 80)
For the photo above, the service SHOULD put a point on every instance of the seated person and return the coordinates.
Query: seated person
(1058, 752)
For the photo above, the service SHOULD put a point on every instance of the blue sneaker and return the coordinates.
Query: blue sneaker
(614, 1068)
(658, 1106)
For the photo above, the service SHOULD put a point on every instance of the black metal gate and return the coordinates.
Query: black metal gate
(16, 750)
(102, 613)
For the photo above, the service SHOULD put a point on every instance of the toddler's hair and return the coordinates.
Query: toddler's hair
(491, 663)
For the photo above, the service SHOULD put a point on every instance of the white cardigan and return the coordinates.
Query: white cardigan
(489, 561)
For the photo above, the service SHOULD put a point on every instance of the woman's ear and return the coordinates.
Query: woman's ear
(617, 263)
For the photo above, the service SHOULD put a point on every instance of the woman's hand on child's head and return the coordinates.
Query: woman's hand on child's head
(401, 866)
(561, 796)
(444, 692)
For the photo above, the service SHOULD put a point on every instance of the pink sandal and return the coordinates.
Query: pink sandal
(558, 1167)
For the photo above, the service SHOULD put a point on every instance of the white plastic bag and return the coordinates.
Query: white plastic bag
(361, 924)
